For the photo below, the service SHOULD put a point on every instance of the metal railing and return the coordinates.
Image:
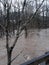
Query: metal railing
(39, 60)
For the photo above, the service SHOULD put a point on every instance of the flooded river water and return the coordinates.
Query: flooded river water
(36, 44)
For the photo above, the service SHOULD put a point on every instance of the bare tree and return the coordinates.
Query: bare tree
(10, 49)
(19, 29)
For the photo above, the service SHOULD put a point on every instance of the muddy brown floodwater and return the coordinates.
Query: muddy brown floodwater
(36, 44)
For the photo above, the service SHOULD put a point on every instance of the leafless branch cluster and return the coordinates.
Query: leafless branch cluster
(22, 22)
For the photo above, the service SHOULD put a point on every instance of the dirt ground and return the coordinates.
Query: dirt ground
(36, 44)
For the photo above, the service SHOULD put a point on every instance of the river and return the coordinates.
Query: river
(36, 44)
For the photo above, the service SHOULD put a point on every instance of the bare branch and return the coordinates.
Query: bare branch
(17, 35)
(32, 17)
(3, 27)
(23, 5)
(16, 56)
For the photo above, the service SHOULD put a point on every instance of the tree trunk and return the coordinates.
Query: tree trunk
(25, 32)
(9, 58)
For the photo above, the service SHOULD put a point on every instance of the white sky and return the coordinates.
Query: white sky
(15, 2)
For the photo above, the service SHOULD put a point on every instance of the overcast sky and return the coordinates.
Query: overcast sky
(15, 2)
